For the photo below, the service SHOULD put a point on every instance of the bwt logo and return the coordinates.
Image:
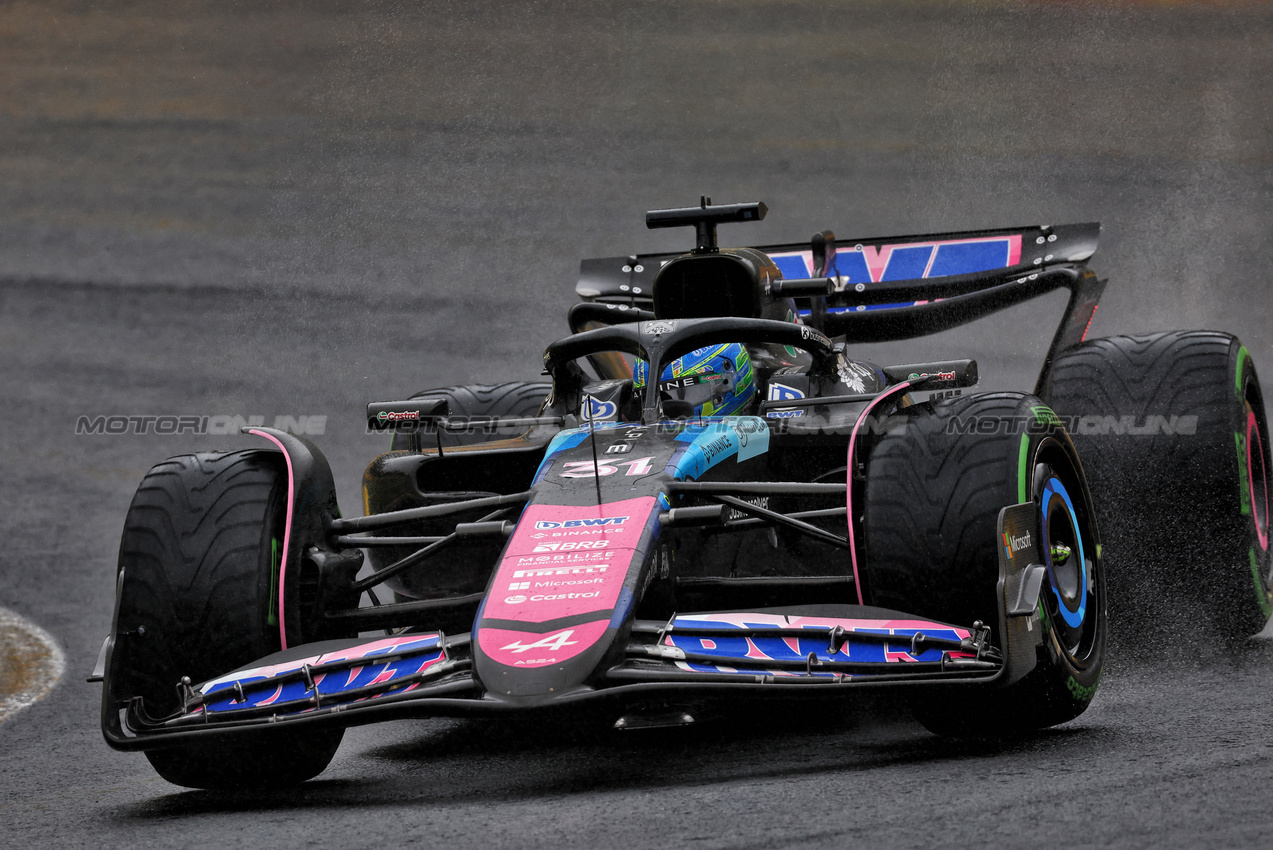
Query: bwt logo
(581, 523)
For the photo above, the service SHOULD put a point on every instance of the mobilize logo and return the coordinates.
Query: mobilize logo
(577, 523)
(1015, 544)
(564, 558)
(553, 642)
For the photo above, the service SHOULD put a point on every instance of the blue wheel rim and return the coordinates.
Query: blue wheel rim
(1055, 497)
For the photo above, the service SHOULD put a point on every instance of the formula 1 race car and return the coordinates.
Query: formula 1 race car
(712, 500)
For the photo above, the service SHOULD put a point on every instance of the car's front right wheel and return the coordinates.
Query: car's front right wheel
(200, 596)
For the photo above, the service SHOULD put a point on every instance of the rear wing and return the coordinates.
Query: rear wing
(891, 271)
(891, 288)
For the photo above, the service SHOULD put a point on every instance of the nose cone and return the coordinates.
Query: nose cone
(563, 589)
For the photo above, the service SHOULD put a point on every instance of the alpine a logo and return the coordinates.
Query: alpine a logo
(582, 523)
(552, 642)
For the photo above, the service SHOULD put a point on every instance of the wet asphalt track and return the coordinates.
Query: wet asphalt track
(268, 211)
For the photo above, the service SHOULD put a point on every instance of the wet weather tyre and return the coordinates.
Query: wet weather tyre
(1174, 437)
(935, 485)
(479, 402)
(199, 558)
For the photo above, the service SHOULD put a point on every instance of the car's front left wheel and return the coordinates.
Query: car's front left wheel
(936, 483)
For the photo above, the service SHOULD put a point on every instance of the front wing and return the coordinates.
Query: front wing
(691, 656)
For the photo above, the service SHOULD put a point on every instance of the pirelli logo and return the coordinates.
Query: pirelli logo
(559, 571)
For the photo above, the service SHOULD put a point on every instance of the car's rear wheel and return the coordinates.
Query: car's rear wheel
(481, 405)
(936, 483)
(1175, 442)
(200, 559)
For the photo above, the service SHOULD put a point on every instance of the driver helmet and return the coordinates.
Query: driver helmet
(718, 380)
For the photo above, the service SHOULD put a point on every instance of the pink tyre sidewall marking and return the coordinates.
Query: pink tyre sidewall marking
(1260, 497)
(848, 495)
(287, 534)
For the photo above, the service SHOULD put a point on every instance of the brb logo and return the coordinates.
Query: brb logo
(582, 523)
(571, 545)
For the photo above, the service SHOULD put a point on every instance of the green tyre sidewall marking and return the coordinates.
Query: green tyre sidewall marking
(1023, 462)
(1243, 355)
(1261, 592)
(271, 617)
(1083, 693)
(1239, 436)
(1044, 415)
(1244, 481)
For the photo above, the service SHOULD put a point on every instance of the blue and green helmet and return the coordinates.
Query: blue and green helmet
(718, 380)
